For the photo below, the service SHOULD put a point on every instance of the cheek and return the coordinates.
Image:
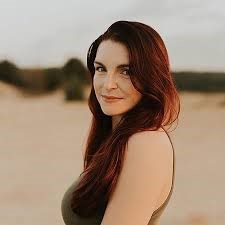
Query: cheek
(133, 94)
(130, 90)
(138, 97)
(96, 83)
(97, 87)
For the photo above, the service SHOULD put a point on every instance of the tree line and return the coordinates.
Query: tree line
(73, 76)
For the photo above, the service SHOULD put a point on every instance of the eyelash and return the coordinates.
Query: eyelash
(96, 69)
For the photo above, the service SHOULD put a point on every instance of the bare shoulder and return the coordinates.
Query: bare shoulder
(142, 179)
(150, 142)
(153, 150)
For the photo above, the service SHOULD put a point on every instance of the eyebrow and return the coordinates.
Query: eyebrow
(119, 66)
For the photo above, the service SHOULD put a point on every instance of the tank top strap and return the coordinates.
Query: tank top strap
(173, 177)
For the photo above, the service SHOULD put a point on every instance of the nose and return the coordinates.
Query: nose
(110, 81)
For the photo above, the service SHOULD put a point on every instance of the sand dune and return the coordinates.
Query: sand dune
(41, 141)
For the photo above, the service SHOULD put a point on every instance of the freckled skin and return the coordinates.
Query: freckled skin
(110, 80)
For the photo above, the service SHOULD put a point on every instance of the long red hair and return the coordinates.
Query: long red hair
(150, 73)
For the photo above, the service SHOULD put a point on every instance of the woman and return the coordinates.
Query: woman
(129, 162)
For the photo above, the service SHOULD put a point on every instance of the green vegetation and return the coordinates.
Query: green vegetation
(75, 68)
(200, 81)
(73, 76)
(9, 73)
(53, 78)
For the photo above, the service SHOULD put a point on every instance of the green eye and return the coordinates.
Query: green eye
(98, 68)
(127, 72)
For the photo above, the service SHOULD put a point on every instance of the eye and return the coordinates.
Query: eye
(98, 68)
(127, 72)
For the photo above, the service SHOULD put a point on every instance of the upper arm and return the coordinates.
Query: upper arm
(141, 180)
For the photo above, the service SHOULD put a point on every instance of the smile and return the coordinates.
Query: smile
(111, 100)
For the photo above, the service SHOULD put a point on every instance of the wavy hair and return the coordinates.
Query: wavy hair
(150, 73)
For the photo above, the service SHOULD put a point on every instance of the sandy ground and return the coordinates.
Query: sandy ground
(41, 141)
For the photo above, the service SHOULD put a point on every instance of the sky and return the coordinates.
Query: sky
(47, 33)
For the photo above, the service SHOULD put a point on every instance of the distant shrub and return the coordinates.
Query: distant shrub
(34, 79)
(75, 77)
(53, 78)
(73, 89)
(75, 67)
(11, 74)
(200, 81)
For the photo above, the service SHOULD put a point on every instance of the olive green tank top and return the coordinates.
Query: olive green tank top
(70, 218)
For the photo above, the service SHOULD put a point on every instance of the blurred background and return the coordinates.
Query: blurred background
(44, 116)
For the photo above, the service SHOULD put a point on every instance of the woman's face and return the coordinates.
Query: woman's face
(112, 78)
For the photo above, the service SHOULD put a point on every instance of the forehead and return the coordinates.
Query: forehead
(112, 53)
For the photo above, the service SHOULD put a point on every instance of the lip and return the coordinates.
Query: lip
(110, 97)
(114, 99)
